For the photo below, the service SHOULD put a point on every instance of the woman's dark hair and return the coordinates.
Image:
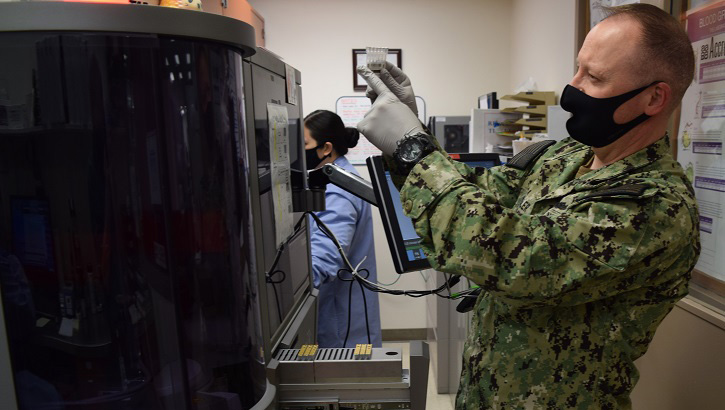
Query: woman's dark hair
(326, 126)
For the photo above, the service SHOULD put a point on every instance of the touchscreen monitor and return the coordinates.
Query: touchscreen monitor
(403, 241)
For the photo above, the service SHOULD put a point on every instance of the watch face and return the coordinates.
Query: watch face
(411, 151)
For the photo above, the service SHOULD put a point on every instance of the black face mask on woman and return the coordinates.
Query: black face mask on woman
(312, 160)
(592, 122)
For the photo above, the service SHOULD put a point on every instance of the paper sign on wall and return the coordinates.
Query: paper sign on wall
(702, 134)
(280, 171)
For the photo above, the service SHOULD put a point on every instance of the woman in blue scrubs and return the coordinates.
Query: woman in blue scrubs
(350, 220)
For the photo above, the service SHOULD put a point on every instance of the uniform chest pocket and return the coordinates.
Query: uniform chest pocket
(607, 225)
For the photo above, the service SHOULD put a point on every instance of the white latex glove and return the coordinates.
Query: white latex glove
(397, 82)
(389, 120)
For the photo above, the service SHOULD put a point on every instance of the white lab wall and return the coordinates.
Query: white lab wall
(453, 51)
(543, 43)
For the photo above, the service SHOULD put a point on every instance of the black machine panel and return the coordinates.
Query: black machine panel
(289, 283)
(127, 266)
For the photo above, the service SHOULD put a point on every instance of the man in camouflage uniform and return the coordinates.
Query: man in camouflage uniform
(580, 249)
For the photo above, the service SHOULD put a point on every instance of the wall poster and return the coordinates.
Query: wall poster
(702, 133)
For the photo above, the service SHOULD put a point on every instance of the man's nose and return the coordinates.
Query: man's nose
(576, 81)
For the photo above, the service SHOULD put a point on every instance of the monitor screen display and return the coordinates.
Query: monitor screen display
(483, 164)
(403, 241)
(410, 239)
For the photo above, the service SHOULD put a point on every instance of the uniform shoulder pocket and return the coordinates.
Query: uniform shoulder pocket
(609, 224)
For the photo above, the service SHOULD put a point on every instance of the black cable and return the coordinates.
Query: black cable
(269, 276)
(270, 280)
(349, 313)
(280, 250)
(297, 228)
(377, 288)
(414, 293)
(365, 302)
(327, 232)
(274, 288)
(365, 307)
(446, 277)
(276, 298)
(349, 300)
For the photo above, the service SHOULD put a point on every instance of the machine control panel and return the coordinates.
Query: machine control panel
(360, 378)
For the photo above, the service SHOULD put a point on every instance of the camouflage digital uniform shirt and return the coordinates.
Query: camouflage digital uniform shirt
(576, 273)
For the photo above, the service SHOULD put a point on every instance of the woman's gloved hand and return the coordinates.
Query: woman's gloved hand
(397, 82)
(389, 120)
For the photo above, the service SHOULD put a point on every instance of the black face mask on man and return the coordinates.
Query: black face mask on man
(312, 160)
(592, 122)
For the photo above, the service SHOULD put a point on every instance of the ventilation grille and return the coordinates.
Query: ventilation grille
(327, 355)
(288, 355)
(335, 354)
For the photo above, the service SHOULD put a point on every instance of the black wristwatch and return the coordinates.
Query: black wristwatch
(413, 148)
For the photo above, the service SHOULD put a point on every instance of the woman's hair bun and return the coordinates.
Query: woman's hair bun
(352, 135)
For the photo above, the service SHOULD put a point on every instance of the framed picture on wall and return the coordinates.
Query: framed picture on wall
(359, 57)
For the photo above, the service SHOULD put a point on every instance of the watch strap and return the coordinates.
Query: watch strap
(429, 146)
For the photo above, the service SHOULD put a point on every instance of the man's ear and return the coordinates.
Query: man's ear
(660, 97)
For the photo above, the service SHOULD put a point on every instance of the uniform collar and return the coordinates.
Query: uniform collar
(640, 159)
(580, 155)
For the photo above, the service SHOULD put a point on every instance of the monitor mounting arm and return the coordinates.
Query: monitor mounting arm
(334, 174)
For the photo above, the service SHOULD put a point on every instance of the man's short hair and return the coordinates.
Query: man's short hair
(666, 51)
